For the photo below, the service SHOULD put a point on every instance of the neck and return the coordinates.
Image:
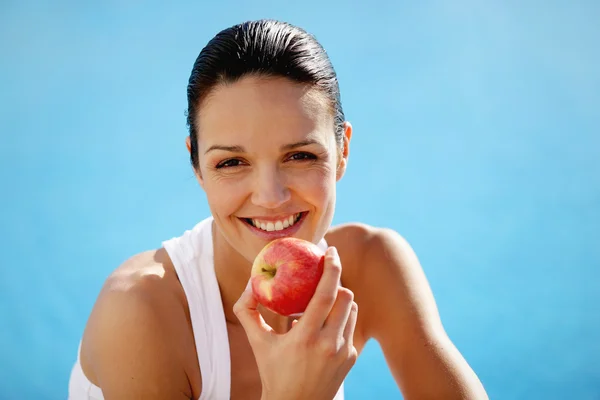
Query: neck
(233, 272)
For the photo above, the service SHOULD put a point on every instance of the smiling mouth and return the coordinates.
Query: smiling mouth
(275, 226)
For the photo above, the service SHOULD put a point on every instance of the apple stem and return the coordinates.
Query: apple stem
(272, 272)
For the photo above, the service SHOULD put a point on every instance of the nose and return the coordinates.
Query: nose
(270, 189)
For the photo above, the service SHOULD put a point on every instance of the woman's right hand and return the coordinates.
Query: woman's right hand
(311, 360)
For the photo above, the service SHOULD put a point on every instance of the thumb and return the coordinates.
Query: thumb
(245, 309)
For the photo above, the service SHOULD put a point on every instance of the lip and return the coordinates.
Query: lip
(289, 231)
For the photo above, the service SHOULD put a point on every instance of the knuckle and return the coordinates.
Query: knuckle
(352, 355)
(330, 257)
(308, 340)
(324, 299)
(238, 308)
(328, 348)
(335, 266)
(345, 294)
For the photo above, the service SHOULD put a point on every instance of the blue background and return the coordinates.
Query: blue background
(477, 137)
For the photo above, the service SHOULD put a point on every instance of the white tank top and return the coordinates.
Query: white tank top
(192, 257)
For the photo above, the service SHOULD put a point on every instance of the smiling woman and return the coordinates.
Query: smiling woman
(267, 153)
(268, 142)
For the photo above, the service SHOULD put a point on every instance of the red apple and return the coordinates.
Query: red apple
(285, 275)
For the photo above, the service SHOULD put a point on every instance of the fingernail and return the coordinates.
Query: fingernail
(333, 251)
(249, 284)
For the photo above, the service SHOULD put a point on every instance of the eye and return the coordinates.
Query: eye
(302, 156)
(230, 163)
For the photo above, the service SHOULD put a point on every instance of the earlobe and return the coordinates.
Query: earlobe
(345, 151)
(347, 137)
(341, 169)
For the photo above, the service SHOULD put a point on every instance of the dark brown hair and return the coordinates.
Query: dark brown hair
(263, 48)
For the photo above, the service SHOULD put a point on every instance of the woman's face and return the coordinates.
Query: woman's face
(268, 161)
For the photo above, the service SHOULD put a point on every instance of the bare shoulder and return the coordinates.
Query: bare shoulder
(358, 237)
(357, 242)
(397, 309)
(351, 239)
(127, 347)
(380, 264)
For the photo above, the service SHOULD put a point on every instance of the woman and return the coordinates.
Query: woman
(268, 141)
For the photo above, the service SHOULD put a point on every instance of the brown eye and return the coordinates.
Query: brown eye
(233, 162)
(302, 156)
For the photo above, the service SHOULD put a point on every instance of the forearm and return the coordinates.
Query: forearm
(439, 373)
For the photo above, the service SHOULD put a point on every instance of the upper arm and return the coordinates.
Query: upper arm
(403, 317)
(127, 347)
(401, 283)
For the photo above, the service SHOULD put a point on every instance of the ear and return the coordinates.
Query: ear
(343, 160)
(188, 144)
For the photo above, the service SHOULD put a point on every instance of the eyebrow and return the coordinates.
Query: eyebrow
(240, 149)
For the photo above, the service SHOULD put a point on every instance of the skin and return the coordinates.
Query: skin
(139, 343)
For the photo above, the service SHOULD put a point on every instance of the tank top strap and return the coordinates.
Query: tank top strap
(192, 257)
(323, 244)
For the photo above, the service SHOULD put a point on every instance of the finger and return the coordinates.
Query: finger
(351, 324)
(325, 295)
(293, 324)
(337, 319)
(294, 320)
(245, 309)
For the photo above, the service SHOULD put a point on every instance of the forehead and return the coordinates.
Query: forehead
(263, 110)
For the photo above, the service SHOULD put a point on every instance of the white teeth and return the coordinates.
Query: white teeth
(271, 226)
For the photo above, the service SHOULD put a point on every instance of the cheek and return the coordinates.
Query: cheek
(224, 197)
(319, 190)
(316, 185)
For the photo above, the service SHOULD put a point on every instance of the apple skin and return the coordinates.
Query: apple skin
(285, 275)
